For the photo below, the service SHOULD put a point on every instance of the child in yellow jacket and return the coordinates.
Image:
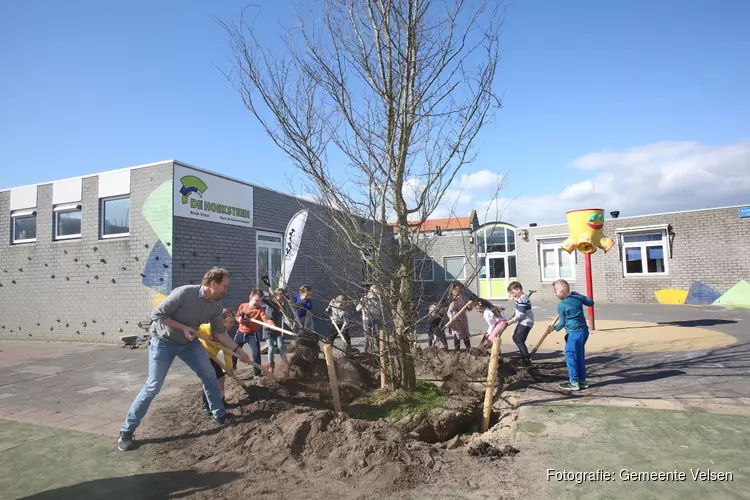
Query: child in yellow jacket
(204, 333)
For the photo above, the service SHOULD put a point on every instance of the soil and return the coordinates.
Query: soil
(288, 443)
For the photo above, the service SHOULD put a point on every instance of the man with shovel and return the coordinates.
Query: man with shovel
(173, 334)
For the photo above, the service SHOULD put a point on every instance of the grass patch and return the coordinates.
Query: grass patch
(398, 404)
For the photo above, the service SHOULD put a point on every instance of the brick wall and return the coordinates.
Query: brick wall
(40, 307)
(200, 245)
(448, 244)
(710, 246)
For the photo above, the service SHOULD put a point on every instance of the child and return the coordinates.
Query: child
(250, 332)
(339, 321)
(460, 326)
(303, 305)
(204, 332)
(495, 320)
(435, 315)
(372, 318)
(573, 320)
(275, 339)
(525, 319)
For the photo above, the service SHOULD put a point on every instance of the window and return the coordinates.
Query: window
(512, 272)
(67, 222)
(269, 258)
(367, 267)
(424, 270)
(24, 226)
(115, 217)
(555, 262)
(499, 239)
(454, 268)
(644, 253)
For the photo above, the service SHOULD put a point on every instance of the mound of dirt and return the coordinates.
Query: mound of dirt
(441, 424)
(460, 372)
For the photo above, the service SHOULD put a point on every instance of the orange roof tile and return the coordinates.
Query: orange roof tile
(445, 224)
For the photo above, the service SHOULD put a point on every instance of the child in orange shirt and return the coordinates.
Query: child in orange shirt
(250, 332)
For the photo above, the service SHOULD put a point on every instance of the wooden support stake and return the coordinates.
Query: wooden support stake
(334, 381)
(383, 367)
(549, 330)
(491, 379)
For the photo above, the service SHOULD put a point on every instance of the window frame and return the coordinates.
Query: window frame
(22, 214)
(67, 208)
(103, 218)
(643, 245)
(419, 277)
(463, 269)
(543, 244)
(278, 245)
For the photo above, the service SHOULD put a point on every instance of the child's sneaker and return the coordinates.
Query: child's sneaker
(583, 384)
(570, 386)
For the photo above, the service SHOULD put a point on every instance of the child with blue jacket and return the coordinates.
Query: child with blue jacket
(572, 318)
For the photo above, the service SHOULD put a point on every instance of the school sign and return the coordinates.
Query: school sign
(202, 196)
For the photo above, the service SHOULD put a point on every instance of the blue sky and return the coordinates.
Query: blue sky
(89, 86)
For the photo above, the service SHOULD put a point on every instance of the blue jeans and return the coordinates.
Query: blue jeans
(253, 340)
(161, 354)
(575, 355)
(277, 340)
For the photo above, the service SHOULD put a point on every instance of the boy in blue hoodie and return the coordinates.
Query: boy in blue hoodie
(572, 318)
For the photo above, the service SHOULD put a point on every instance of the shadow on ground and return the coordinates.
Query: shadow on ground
(159, 485)
(721, 373)
(698, 322)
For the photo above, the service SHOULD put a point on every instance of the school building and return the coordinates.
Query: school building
(688, 257)
(86, 258)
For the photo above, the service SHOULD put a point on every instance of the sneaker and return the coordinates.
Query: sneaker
(583, 384)
(226, 419)
(526, 362)
(570, 386)
(125, 442)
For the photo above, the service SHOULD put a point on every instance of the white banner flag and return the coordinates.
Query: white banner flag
(292, 240)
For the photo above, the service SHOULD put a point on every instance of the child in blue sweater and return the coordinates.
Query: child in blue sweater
(572, 318)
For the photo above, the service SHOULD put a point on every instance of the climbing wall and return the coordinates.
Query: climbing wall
(88, 289)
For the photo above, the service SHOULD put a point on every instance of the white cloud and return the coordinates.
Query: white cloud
(480, 180)
(659, 177)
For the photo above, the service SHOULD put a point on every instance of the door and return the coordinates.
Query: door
(495, 275)
(269, 259)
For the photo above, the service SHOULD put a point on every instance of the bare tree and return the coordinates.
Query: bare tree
(396, 89)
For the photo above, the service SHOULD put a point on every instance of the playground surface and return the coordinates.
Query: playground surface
(664, 378)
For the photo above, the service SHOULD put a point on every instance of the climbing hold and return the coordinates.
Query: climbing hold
(78, 332)
(67, 325)
(28, 258)
(113, 280)
(52, 329)
(52, 276)
(96, 248)
(119, 330)
(88, 265)
(145, 246)
(83, 324)
(193, 254)
(124, 268)
(156, 258)
(126, 322)
(19, 328)
(14, 282)
(183, 265)
(58, 320)
(103, 261)
(166, 266)
(169, 244)
(88, 282)
(217, 258)
(29, 335)
(45, 265)
(38, 324)
(93, 321)
(3, 327)
(67, 279)
(20, 269)
(136, 259)
(65, 251)
(161, 279)
(75, 260)
(1, 285)
(102, 333)
(143, 275)
(96, 277)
